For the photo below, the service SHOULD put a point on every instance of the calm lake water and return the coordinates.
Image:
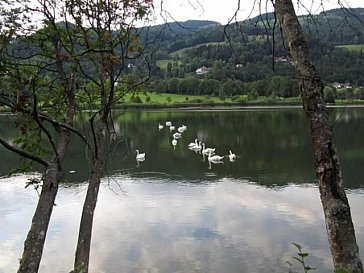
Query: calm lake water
(175, 212)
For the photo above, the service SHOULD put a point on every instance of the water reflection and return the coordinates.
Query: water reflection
(273, 145)
(177, 211)
(153, 225)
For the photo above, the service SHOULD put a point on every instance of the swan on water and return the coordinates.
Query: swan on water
(139, 156)
(174, 143)
(196, 147)
(215, 158)
(171, 128)
(207, 151)
(177, 135)
(160, 126)
(182, 128)
(232, 156)
(192, 144)
(168, 123)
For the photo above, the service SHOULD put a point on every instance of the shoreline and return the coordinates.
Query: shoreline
(204, 107)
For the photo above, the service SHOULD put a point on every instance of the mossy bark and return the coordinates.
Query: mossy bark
(34, 243)
(339, 225)
(82, 255)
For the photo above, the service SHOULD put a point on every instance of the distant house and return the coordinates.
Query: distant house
(339, 85)
(282, 59)
(202, 70)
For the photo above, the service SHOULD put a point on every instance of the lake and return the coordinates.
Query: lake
(175, 212)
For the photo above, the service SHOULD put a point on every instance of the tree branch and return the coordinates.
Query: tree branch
(23, 153)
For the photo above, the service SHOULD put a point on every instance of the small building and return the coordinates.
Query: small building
(339, 85)
(282, 59)
(202, 70)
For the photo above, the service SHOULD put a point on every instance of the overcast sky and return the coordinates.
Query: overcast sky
(223, 10)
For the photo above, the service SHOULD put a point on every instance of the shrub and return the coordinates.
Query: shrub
(136, 99)
(235, 98)
(329, 94)
(241, 101)
(252, 95)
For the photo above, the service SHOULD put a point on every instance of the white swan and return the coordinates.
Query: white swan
(171, 128)
(192, 144)
(196, 147)
(207, 151)
(174, 143)
(215, 158)
(177, 135)
(232, 156)
(182, 128)
(160, 126)
(168, 123)
(139, 156)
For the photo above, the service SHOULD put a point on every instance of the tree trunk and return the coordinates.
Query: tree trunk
(34, 243)
(340, 229)
(82, 255)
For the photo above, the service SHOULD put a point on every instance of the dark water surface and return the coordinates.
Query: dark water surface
(175, 212)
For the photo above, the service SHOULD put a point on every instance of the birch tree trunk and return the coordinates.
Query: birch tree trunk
(339, 225)
(34, 243)
(82, 255)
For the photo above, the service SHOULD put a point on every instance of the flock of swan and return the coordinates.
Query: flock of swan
(196, 146)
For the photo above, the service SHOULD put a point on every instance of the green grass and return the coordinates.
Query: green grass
(162, 64)
(158, 100)
(258, 38)
(167, 98)
(181, 51)
(352, 48)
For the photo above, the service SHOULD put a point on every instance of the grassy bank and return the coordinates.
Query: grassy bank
(166, 100)
(150, 100)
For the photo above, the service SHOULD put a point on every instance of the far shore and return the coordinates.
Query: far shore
(204, 107)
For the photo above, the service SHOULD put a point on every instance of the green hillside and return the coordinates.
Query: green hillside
(241, 58)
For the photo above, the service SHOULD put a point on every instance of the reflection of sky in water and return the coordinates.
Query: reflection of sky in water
(159, 226)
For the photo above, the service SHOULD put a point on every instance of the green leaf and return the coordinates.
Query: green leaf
(297, 245)
(303, 254)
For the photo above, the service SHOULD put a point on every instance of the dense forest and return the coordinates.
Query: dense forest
(250, 58)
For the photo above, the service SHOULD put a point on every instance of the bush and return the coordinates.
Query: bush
(235, 98)
(242, 101)
(329, 94)
(136, 99)
(252, 95)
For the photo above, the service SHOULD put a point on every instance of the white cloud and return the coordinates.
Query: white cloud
(223, 11)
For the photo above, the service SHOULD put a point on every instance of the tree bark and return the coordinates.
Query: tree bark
(82, 255)
(34, 243)
(339, 225)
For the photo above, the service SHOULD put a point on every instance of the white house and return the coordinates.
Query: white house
(202, 70)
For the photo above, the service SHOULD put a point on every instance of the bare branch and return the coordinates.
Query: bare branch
(23, 153)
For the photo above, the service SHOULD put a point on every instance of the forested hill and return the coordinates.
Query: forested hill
(241, 58)
(335, 26)
(246, 59)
